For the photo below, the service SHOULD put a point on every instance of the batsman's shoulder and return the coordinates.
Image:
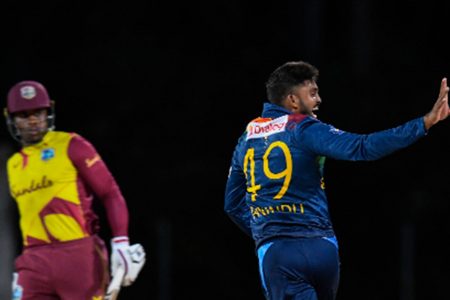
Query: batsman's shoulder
(78, 138)
(58, 136)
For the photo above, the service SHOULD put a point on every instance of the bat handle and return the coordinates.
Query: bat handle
(114, 286)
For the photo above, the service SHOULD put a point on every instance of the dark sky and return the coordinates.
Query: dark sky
(164, 89)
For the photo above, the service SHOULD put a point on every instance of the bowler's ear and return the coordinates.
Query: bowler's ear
(291, 103)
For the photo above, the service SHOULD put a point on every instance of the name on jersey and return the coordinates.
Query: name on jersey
(258, 212)
(34, 186)
(262, 129)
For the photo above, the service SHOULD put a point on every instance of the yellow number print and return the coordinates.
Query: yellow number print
(286, 173)
(252, 188)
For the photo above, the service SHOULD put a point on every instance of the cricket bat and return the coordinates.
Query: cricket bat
(116, 283)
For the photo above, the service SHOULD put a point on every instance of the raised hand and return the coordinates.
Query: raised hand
(440, 110)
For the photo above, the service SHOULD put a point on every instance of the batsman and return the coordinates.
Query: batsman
(55, 177)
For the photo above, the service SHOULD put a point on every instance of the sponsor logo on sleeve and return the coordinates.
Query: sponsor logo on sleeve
(336, 131)
(263, 129)
(91, 161)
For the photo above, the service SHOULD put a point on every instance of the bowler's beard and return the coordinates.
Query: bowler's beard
(304, 108)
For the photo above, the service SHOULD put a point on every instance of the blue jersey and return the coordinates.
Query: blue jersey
(275, 187)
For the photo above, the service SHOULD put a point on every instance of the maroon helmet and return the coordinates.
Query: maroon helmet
(27, 95)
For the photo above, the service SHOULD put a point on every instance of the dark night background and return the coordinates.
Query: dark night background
(164, 89)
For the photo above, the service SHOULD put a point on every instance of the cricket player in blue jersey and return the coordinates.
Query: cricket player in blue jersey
(275, 190)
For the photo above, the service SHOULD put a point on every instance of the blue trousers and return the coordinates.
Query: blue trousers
(299, 269)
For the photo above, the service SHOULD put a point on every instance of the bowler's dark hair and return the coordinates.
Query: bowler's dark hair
(286, 77)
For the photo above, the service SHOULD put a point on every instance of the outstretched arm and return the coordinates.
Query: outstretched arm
(440, 110)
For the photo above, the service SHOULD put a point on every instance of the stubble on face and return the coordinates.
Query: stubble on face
(31, 126)
(308, 98)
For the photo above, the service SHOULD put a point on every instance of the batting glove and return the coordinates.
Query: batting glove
(131, 258)
(17, 290)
